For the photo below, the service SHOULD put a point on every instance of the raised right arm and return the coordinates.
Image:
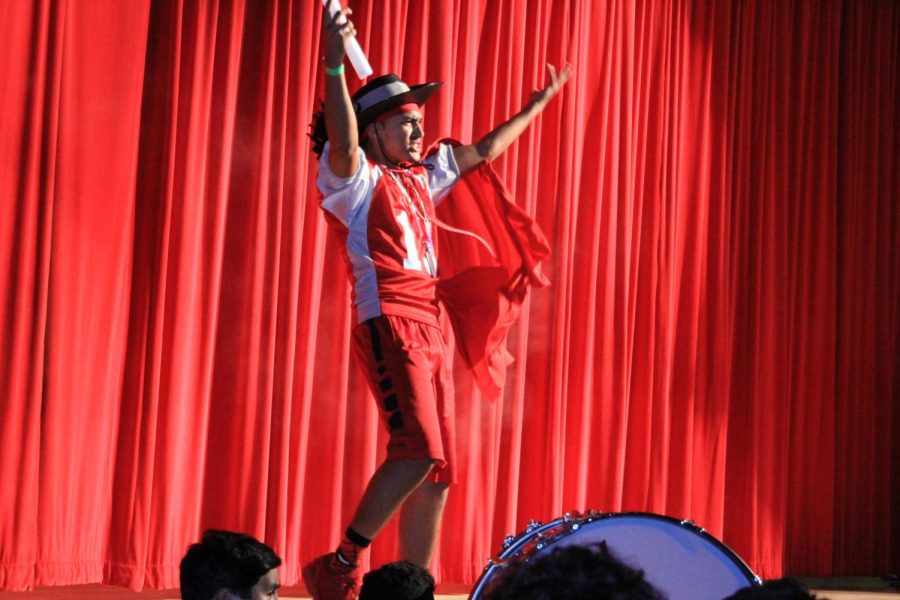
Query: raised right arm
(340, 120)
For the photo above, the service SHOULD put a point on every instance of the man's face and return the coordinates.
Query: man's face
(401, 136)
(267, 587)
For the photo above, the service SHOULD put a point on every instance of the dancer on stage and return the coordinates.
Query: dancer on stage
(379, 191)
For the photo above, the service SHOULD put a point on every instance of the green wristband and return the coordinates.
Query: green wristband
(338, 70)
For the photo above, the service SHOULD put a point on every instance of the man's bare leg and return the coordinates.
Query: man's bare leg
(420, 522)
(391, 484)
(337, 574)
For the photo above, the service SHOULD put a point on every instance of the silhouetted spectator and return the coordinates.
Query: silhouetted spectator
(229, 566)
(572, 573)
(401, 580)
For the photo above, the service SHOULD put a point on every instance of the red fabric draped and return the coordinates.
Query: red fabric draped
(721, 341)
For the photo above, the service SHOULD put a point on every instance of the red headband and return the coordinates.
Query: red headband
(403, 108)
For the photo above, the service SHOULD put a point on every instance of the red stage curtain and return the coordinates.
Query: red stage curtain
(721, 341)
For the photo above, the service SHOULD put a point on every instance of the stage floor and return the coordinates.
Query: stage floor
(850, 588)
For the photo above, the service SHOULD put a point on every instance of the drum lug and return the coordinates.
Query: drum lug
(532, 525)
(690, 523)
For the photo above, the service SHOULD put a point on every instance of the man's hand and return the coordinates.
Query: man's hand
(557, 81)
(498, 140)
(334, 29)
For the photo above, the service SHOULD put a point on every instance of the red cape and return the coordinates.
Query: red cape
(484, 295)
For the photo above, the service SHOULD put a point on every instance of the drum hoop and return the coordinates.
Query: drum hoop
(537, 536)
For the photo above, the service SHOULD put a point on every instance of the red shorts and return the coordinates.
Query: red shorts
(408, 365)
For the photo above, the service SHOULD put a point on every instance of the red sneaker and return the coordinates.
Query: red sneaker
(327, 578)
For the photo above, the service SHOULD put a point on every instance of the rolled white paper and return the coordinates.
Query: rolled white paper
(351, 46)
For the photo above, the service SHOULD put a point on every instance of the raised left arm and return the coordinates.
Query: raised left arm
(499, 139)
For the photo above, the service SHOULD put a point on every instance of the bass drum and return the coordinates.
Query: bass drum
(677, 557)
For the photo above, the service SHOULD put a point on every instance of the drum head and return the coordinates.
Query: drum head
(679, 559)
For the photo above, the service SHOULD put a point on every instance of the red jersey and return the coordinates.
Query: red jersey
(383, 218)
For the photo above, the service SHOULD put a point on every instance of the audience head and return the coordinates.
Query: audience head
(400, 580)
(229, 566)
(779, 589)
(572, 572)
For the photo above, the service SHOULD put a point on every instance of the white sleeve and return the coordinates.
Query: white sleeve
(444, 174)
(342, 196)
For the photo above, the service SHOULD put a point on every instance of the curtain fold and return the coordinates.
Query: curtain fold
(721, 340)
(867, 264)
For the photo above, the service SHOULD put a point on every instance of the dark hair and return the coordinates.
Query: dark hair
(571, 573)
(400, 580)
(778, 589)
(224, 559)
(317, 132)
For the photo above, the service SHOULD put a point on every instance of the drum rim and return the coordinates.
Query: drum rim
(691, 526)
(593, 516)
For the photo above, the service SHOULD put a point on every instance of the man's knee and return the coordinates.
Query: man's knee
(420, 468)
(438, 488)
